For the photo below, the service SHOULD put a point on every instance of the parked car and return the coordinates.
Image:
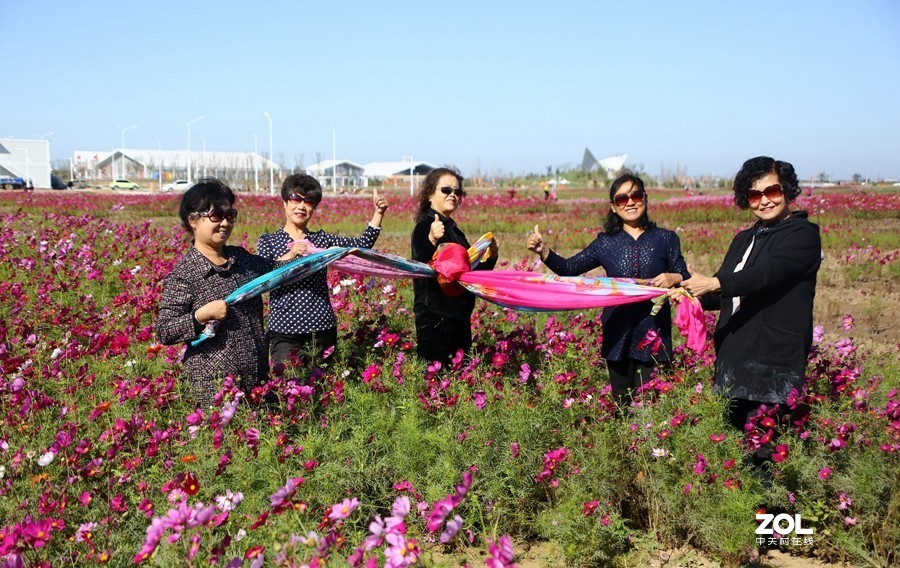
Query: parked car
(177, 185)
(77, 184)
(123, 184)
(56, 182)
(12, 182)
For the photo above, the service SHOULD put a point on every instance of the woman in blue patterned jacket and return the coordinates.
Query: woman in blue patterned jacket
(631, 246)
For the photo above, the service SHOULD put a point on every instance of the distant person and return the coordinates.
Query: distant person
(443, 323)
(194, 291)
(631, 246)
(764, 292)
(301, 317)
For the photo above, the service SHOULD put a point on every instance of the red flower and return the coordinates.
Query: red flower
(781, 453)
(254, 551)
(190, 486)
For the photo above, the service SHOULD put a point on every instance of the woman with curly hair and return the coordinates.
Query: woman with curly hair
(764, 292)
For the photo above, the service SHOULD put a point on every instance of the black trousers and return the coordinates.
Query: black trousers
(283, 346)
(626, 377)
(439, 337)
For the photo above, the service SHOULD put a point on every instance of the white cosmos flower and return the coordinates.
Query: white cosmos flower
(46, 459)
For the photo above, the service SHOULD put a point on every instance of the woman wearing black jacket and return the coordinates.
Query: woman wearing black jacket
(443, 324)
(764, 291)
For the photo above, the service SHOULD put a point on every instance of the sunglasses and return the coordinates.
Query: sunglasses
(771, 192)
(298, 199)
(446, 190)
(621, 199)
(218, 215)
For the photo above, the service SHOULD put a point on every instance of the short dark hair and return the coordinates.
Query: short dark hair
(613, 223)
(755, 168)
(206, 193)
(305, 185)
(429, 186)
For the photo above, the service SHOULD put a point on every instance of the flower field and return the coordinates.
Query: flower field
(374, 459)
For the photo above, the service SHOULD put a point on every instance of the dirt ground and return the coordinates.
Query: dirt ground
(547, 555)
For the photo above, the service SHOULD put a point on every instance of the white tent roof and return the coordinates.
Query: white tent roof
(326, 165)
(388, 169)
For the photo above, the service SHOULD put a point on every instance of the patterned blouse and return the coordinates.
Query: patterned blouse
(305, 306)
(622, 256)
(239, 347)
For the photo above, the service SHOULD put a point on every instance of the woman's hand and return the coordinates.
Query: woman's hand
(215, 310)
(436, 232)
(381, 204)
(493, 249)
(535, 244)
(667, 280)
(699, 284)
(298, 249)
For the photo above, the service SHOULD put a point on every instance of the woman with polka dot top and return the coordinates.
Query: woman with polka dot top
(300, 315)
(631, 247)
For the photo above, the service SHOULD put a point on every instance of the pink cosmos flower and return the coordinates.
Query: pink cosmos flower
(818, 333)
(342, 510)
(589, 508)
(849, 521)
(825, 473)
(847, 322)
(844, 501)
(717, 437)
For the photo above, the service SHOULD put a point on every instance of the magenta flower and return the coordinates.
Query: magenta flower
(717, 437)
(589, 507)
(514, 449)
(825, 473)
(501, 553)
(37, 533)
(700, 465)
(342, 510)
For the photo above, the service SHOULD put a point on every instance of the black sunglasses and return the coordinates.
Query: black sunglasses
(218, 215)
(447, 190)
(621, 199)
(297, 198)
(771, 192)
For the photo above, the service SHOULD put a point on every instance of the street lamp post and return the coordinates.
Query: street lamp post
(333, 158)
(122, 147)
(271, 158)
(203, 155)
(188, 123)
(255, 166)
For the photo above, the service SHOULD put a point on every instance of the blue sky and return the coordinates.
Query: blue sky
(498, 86)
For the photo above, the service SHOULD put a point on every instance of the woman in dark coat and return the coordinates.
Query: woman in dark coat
(443, 324)
(764, 291)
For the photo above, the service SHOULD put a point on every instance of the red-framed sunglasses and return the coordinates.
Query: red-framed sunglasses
(771, 192)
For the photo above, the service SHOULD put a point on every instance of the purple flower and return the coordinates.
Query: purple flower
(453, 526)
(284, 494)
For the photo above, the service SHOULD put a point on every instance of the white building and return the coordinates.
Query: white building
(339, 175)
(27, 159)
(241, 170)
